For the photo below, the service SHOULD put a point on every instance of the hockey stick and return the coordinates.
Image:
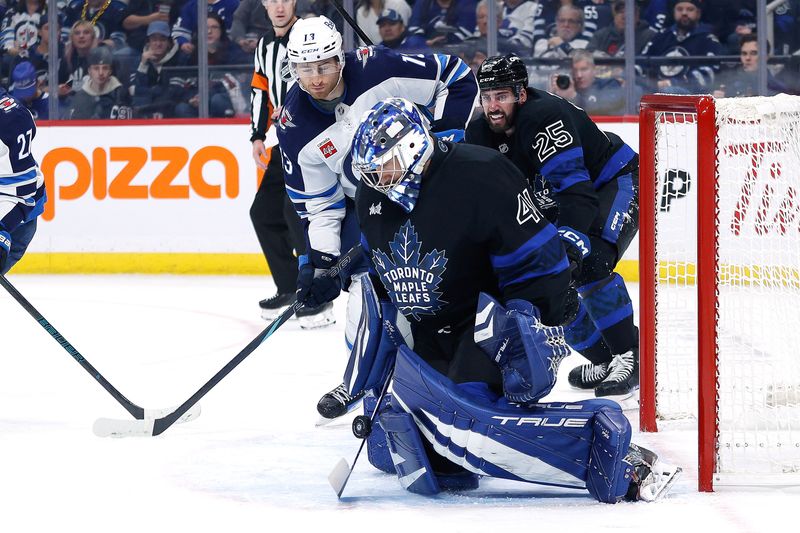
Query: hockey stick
(137, 412)
(341, 472)
(343, 12)
(108, 427)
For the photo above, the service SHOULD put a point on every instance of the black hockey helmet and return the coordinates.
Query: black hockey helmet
(503, 71)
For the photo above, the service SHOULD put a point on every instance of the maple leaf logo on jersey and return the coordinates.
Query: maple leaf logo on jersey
(411, 283)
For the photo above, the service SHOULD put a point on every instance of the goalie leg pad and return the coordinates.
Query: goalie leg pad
(408, 453)
(609, 475)
(373, 329)
(611, 309)
(546, 443)
(527, 352)
(377, 447)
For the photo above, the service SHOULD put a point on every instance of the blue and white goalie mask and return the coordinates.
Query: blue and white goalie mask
(390, 149)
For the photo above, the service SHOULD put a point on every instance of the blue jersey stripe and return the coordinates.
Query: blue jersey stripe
(294, 195)
(566, 169)
(11, 180)
(561, 266)
(615, 163)
(520, 255)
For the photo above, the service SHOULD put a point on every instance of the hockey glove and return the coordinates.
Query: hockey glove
(314, 286)
(447, 130)
(577, 246)
(5, 249)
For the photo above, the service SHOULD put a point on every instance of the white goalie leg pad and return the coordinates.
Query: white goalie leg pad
(374, 330)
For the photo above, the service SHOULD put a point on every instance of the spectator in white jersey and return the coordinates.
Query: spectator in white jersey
(515, 32)
(568, 35)
(369, 11)
(275, 221)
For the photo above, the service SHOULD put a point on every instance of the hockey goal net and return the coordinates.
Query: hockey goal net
(720, 281)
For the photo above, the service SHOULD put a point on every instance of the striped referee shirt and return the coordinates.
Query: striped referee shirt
(268, 88)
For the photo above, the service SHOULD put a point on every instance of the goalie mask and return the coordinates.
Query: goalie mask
(390, 149)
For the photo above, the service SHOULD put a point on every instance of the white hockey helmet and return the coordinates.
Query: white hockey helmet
(314, 39)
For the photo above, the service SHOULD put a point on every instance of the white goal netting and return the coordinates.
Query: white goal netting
(758, 300)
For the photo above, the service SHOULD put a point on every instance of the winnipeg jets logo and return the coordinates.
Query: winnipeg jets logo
(285, 120)
(525, 208)
(503, 148)
(375, 209)
(364, 53)
(411, 280)
(7, 104)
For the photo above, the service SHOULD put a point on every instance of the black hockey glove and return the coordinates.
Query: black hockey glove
(314, 287)
(5, 248)
(577, 246)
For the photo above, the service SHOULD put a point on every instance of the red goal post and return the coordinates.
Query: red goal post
(713, 244)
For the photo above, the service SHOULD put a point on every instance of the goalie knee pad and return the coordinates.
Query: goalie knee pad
(609, 475)
(527, 352)
(372, 337)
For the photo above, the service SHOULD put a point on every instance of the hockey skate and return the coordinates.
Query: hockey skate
(316, 317)
(337, 402)
(623, 376)
(588, 376)
(652, 478)
(271, 308)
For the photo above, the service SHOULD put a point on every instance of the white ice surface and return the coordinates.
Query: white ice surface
(253, 461)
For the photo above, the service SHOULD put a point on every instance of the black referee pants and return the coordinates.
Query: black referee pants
(277, 225)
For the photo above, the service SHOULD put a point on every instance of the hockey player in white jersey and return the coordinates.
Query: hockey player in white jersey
(315, 132)
(22, 193)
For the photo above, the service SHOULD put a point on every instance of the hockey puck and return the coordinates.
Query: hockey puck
(362, 426)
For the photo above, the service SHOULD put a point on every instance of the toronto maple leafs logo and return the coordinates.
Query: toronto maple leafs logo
(411, 281)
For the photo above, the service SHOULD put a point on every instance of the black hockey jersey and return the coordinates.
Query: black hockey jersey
(562, 153)
(474, 229)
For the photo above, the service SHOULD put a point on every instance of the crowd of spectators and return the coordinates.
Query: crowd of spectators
(121, 59)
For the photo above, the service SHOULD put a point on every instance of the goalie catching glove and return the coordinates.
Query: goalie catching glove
(527, 352)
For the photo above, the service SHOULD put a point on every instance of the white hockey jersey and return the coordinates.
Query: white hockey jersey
(316, 143)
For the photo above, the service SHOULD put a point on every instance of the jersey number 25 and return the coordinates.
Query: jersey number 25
(547, 142)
